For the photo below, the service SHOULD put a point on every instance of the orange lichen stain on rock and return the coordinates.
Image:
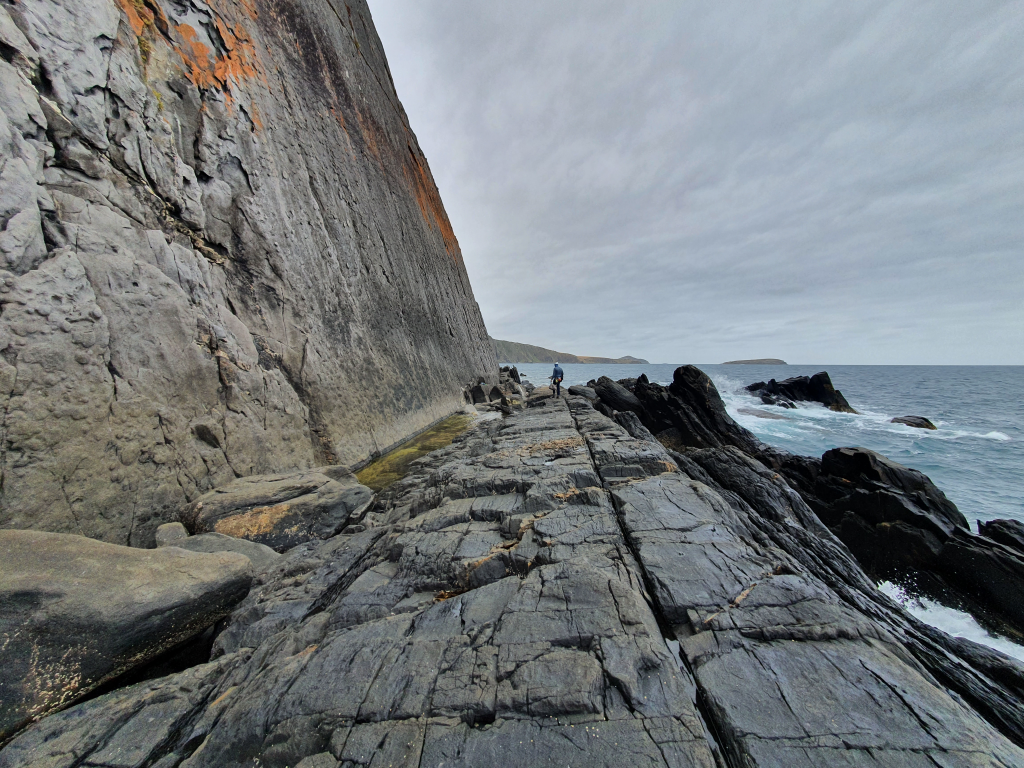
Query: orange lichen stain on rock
(429, 201)
(369, 132)
(255, 522)
(139, 16)
(207, 70)
(254, 115)
(250, 8)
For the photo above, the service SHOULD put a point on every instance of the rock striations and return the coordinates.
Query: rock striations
(223, 254)
(227, 276)
(556, 588)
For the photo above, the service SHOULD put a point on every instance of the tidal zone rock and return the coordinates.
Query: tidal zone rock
(1009, 533)
(893, 518)
(550, 590)
(77, 612)
(817, 388)
(280, 511)
(920, 422)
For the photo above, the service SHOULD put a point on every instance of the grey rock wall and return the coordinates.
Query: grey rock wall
(222, 254)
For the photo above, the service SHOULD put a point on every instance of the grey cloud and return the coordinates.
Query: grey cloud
(822, 182)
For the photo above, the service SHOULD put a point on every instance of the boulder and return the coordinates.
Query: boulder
(581, 391)
(1009, 533)
(817, 388)
(280, 511)
(78, 612)
(616, 396)
(260, 555)
(169, 533)
(510, 372)
(478, 394)
(914, 421)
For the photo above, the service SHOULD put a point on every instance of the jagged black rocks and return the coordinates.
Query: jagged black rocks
(817, 388)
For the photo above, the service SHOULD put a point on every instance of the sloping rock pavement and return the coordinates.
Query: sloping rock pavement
(77, 612)
(522, 598)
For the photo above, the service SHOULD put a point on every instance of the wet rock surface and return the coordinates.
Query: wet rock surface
(550, 590)
(1009, 533)
(222, 253)
(77, 612)
(817, 388)
(920, 422)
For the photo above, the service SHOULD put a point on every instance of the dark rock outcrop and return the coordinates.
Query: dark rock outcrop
(690, 412)
(280, 511)
(549, 590)
(223, 254)
(512, 372)
(914, 421)
(616, 396)
(894, 519)
(77, 612)
(817, 388)
(1009, 533)
(581, 391)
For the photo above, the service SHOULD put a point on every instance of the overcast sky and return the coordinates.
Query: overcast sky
(697, 182)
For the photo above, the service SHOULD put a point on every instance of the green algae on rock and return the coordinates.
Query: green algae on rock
(394, 465)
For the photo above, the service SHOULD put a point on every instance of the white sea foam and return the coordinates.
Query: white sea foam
(951, 621)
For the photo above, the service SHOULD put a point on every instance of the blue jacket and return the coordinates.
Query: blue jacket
(557, 373)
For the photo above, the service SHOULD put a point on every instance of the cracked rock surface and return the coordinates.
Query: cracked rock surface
(222, 253)
(550, 590)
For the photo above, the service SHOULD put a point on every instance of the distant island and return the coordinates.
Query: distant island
(513, 352)
(759, 361)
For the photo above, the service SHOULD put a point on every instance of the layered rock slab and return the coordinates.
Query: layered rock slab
(77, 612)
(529, 584)
(280, 511)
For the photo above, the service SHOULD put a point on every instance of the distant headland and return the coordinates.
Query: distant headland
(759, 361)
(513, 352)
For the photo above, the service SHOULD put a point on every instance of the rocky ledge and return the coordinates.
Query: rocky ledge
(558, 588)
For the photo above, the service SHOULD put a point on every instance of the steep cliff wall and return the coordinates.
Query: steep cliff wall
(223, 253)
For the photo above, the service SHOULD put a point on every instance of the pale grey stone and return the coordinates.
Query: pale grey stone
(169, 533)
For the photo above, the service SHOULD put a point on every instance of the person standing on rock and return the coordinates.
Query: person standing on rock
(556, 380)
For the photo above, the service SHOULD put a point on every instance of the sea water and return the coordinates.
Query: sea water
(976, 456)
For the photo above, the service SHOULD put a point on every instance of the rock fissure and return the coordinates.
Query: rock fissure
(704, 712)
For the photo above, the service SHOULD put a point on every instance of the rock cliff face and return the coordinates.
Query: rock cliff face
(223, 254)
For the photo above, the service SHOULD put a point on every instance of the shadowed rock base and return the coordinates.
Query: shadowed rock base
(77, 612)
(549, 590)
